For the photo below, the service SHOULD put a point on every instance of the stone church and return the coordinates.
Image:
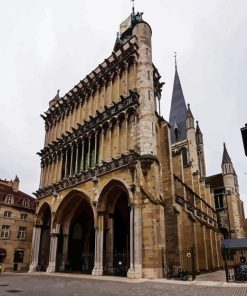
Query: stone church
(122, 191)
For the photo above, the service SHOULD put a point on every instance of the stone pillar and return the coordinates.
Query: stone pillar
(34, 258)
(98, 258)
(205, 247)
(118, 139)
(89, 152)
(110, 240)
(76, 159)
(66, 163)
(65, 251)
(126, 78)
(53, 253)
(126, 130)
(41, 182)
(71, 160)
(82, 156)
(110, 142)
(95, 147)
(136, 272)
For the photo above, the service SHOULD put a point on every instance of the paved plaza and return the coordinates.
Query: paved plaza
(77, 285)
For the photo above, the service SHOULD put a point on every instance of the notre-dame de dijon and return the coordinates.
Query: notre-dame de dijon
(122, 191)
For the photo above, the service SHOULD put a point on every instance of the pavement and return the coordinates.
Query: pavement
(43, 284)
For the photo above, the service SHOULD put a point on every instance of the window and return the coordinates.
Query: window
(219, 200)
(26, 203)
(5, 231)
(22, 233)
(7, 214)
(9, 199)
(23, 216)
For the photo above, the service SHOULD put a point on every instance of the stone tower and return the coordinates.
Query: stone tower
(234, 205)
(184, 137)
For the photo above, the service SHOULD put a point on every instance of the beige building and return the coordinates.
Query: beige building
(17, 211)
(118, 193)
(229, 206)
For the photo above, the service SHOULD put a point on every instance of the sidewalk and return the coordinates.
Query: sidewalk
(212, 279)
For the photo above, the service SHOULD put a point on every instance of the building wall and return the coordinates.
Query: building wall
(13, 243)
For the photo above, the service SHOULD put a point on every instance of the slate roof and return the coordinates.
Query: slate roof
(226, 158)
(19, 196)
(215, 181)
(178, 111)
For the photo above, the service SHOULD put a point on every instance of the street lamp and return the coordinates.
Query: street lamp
(244, 136)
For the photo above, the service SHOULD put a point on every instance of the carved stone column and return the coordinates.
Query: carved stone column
(110, 142)
(53, 253)
(82, 156)
(126, 131)
(76, 159)
(95, 147)
(99, 233)
(89, 152)
(65, 251)
(35, 248)
(71, 160)
(41, 182)
(136, 271)
(118, 138)
(126, 77)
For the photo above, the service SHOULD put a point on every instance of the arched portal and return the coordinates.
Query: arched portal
(75, 250)
(44, 219)
(116, 242)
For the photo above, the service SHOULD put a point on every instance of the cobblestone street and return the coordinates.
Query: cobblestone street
(52, 285)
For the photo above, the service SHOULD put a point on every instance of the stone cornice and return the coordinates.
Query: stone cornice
(97, 78)
(196, 213)
(124, 160)
(93, 123)
(194, 194)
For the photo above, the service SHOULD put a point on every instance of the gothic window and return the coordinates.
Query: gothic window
(219, 200)
(26, 203)
(7, 214)
(9, 199)
(5, 231)
(184, 153)
(176, 134)
(22, 233)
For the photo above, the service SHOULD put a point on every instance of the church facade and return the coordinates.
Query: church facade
(122, 191)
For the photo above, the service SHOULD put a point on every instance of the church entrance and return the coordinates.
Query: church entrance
(81, 240)
(75, 252)
(116, 234)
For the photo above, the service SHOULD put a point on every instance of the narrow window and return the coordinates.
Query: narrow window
(22, 233)
(7, 214)
(5, 231)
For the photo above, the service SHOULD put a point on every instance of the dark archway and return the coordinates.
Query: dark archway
(81, 239)
(116, 243)
(44, 250)
(75, 251)
(224, 232)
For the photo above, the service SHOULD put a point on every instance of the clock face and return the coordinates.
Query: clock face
(125, 25)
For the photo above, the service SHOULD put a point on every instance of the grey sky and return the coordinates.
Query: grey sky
(48, 45)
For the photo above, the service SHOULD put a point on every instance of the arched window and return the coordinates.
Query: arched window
(176, 134)
(9, 199)
(184, 153)
(26, 203)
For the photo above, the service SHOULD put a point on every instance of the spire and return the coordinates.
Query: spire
(55, 99)
(199, 138)
(189, 118)
(227, 166)
(226, 158)
(178, 109)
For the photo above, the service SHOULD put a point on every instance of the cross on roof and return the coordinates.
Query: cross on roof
(133, 6)
(175, 57)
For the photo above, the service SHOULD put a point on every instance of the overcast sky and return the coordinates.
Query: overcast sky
(48, 45)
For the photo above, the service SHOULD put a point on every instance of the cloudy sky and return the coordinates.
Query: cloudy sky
(48, 45)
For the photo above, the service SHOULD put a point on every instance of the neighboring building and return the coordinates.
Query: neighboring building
(229, 206)
(17, 211)
(116, 195)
